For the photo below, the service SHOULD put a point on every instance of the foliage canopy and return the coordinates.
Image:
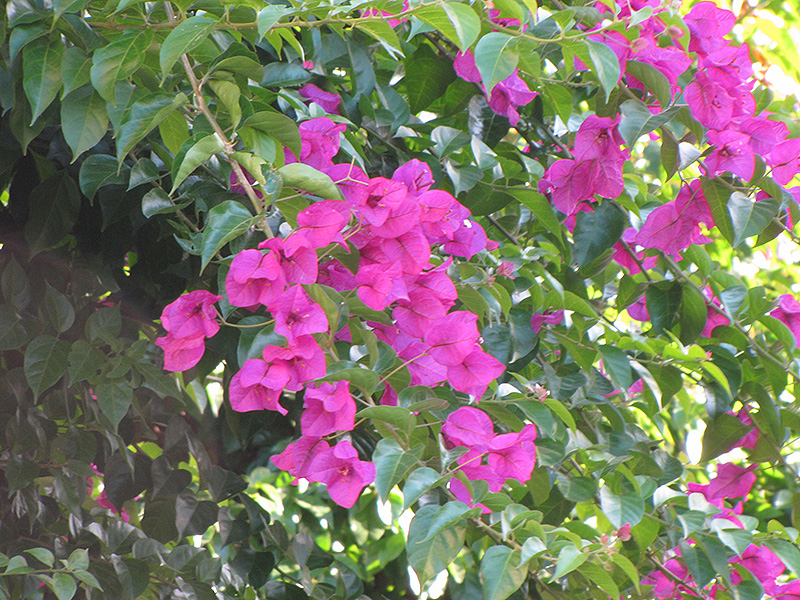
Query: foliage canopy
(506, 288)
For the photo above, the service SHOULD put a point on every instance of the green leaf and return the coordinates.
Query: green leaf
(427, 77)
(621, 509)
(417, 484)
(57, 309)
(75, 69)
(308, 179)
(654, 81)
(501, 573)
(541, 208)
(43, 555)
(64, 586)
(569, 558)
(54, 207)
(787, 552)
(451, 514)
(721, 434)
(637, 120)
(99, 170)
(269, 16)
(694, 314)
(496, 58)
(697, 562)
(174, 131)
(595, 232)
(717, 195)
(663, 299)
(118, 61)
(597, 575)
(45, 358)
(429, 556)
(229, 93)
(187, 36)
(84, 120)
(383, 33)
(79, 559)
(606, 65)
(84, 361)
(226, 221)
(365, 379)
(460, 25)
(144, 116)
(41, 60)
(391, 465)
(618, 366)
(199, 153)
(12, 333)
(114, 398)
(748, 217)
(278, 126)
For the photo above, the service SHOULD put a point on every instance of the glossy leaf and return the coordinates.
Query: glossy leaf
(187, 36)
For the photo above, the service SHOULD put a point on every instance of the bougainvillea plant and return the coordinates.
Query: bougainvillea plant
(381, 299)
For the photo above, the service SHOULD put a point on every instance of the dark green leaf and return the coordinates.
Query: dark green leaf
(717, 195)
(144, 116)
(42, 60)
(75, 70)
(114, 398)
(45, 358)
(663, 299)
(57, 309)
(187, 36)
(427, 78)
(721, 435)
(99, 170)
(618, 366)
(749, 218)
(226, 221)
(84, 120)
(196, 155)
(194, 516)
(12, 334)
(54, 209)
(638, 120)
(694, 313)
(595, 232)
(458, 22)
(118, 61)
(84, 361)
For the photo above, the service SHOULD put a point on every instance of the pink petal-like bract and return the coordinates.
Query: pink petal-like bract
(329, 408)
(182, 353)
(191, 314)
(474, 374)
(342, 471)
(453, 337)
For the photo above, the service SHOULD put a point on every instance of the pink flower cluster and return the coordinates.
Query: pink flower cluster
(596, 168)
(720, 98)
(393, 224)
(189, 320)
(731, 481)
(491, 458)
(788, 313)
(506, 97)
